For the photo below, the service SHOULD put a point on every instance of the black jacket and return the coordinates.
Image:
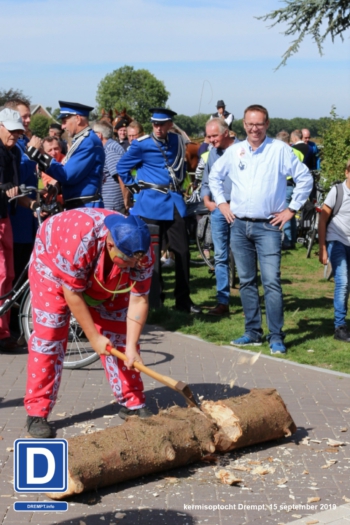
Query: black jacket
(10, 160)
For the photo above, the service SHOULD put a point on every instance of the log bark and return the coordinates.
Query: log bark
(173, 438)
(247, 420)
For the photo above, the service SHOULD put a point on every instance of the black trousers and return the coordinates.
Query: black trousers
(175, 233)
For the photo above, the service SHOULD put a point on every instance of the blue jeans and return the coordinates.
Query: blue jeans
(339, 256)
(220, 230)
(290, 228)
(252, 242)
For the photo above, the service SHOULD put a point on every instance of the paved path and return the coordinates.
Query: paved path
(309, 479)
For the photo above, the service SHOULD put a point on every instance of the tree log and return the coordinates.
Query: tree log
(175, 437)
(247, 420)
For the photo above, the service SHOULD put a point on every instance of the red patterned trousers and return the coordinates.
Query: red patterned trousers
(48, 343)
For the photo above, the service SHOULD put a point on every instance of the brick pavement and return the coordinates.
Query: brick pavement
(303, 466)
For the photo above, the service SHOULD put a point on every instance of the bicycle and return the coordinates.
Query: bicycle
(79, 352)
(310, 217)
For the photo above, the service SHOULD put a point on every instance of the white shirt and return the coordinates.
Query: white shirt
(339, 227)
(259, 179)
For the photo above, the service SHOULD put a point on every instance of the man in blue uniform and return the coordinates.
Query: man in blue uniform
(81, 175)
(159, 159)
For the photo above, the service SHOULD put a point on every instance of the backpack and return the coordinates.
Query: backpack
(338, 201)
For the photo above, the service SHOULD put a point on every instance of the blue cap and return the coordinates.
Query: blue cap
(130, 234)
(73, 108)
(161, 114)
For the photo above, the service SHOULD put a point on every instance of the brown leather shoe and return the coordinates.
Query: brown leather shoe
(219, 310)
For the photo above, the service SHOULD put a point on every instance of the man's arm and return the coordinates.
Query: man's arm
(130, 160)
(218, 172)
(322, 228)
(303, 186)
(80, 310)
(135, 321)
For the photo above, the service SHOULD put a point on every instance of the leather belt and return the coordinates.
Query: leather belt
(157, 187)
(78, 202)
(249, 219)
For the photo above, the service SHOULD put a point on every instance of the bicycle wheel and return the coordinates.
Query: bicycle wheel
(310, 242)
(79, 352)
(205, 243)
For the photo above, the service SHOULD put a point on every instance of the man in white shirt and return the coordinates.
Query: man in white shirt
(258, 168)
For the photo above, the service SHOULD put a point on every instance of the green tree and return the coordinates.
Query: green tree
(318, 18)
(39, 125)
(336, 148)
(137, 90)
(8, 94)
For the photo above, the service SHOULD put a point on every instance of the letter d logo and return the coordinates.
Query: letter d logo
(40, 465)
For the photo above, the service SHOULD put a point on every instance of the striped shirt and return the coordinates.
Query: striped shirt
(111, 191)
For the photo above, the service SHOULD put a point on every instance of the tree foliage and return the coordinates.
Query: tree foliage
(336, 149)
(195, 125)
(318, 18)
(136, 90)
(8, 94)
(39, 125)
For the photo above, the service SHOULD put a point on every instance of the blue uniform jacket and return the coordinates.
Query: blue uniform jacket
(83, 172)
(144, 156)
(24, 224)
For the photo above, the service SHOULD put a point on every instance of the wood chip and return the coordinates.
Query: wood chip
(316, 440)
(335, 443)
(305, 472)
(281, 481)
(296, 516)
(9, 449)
(62, 414)
(232, 382)
(255, 358)
(210, 458)
(313, 500)
(1, 438)
(254, 462)
(227, 478)
(347, 500)
(311, 522)
(242, 468)
(344, 429)
(329, 463)
(109, 417)
(305, 441)
(171, 479)
(262, 471)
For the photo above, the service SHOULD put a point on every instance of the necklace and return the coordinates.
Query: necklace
(116, 291)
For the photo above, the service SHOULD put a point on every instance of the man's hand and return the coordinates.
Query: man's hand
(280, 218)
(210, 205)
(227, 213)
(35, 142)
(12, 192)
(132, 355)
(323, 255)
(99, 344)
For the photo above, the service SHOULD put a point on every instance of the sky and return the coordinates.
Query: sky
(202, 50)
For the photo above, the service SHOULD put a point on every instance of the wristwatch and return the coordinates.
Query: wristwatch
(293, 211)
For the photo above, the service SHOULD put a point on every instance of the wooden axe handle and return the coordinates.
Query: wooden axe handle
(167, 381)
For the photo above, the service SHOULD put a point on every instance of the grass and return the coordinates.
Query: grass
(308, 312)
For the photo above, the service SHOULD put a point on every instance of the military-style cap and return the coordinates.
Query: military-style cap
(130, 234)
(73, 108)
(162, 114)
(220, 104)
(123, 123)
